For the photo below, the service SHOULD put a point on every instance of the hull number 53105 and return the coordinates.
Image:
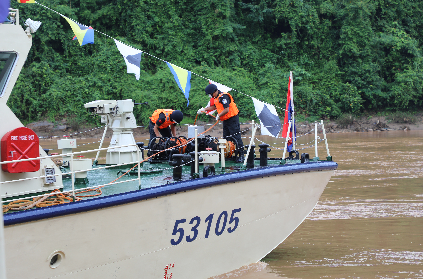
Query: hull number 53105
(220, 226)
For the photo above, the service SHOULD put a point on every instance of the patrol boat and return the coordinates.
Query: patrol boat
(189, 226)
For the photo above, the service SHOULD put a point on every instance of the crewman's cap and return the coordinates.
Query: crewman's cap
(210, 89)
(177, 116)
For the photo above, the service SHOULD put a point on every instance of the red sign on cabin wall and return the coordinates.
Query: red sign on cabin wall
(20, 143)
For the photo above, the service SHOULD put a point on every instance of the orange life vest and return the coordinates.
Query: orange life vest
(167, 113)
(233, 110)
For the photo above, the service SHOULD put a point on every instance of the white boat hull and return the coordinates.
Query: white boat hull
(133, 240)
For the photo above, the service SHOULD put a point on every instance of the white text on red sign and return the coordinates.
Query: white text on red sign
(25, 137)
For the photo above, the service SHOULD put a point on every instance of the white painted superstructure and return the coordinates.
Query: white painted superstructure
(15, 40)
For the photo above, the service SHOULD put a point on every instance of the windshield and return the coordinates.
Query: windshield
(7, 63)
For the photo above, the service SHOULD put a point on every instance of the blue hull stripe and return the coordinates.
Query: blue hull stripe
(144, 194)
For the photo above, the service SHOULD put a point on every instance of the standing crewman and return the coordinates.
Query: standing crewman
(163, 122)
(227, 112)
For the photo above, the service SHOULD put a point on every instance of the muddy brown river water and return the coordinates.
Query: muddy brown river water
(368, 222)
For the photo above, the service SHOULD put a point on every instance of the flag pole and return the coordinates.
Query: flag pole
(286, 141)
(293, 127)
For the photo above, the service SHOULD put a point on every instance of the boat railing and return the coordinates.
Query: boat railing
(72, 172)
(314, 143)
(14, 16)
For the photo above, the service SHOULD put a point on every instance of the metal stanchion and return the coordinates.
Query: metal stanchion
(2, 245)
(196, 151)
(254, 128)
(326, 141)
(315, 141)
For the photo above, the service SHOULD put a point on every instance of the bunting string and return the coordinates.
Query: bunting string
(151, 55)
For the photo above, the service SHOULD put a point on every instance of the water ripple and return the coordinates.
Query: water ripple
(329, 210)
(369, 258)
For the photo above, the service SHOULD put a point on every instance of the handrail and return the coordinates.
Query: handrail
(72, 172)
(317, 139)
(65, 154)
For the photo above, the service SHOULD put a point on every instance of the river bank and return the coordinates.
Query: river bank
(46, 129)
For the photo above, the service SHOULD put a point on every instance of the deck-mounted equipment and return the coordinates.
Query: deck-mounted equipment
(118, 116)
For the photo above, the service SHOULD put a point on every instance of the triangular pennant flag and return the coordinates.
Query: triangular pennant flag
(269, 119)
(182, 78)
(220, 87)
(84, 34)
(132, 58)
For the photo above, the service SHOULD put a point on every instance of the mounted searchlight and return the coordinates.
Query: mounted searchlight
(32, 25)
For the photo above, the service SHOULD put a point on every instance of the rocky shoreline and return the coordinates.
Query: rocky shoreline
(45, 129)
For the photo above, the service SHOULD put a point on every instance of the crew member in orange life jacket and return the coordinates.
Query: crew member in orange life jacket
(163, 122)
(227, 112)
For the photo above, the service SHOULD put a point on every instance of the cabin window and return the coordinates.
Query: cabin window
(7, 63)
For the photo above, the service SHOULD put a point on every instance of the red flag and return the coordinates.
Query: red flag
(289, 108)
(289, 113)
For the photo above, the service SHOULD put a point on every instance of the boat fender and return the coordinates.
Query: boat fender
(209, 170)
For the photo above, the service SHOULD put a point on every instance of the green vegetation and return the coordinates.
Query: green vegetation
(345, 120)
(347, 57)
(402, 117)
